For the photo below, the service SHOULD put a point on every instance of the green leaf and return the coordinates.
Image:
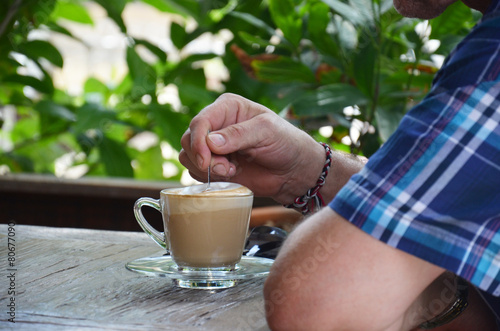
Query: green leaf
(190, 59)
(54, 118)
(182, 7)
(451, 20)
(365, 8)
(94, 86)
(178, 35)
(448, 43)
(195, 96)
(157, 51)
(219, 12)
(386, 5)
(17, 163)
(251, 39)
(282, 70)
(62, 30)
(36, 49)
(345, 11)
(54, 110)
(319, 19)
(115, 158)
(194, 77)
(124, 87)
(286, 19)
(347, 35)
(41, 86)
(369, 143)
(38, 12)
(423, 80)
(170, 125)
(388, 120)
(258, 23)
(149, 164)
(114, 9)
(26, 128)
(92, 116)
(143, 75)
(163, 6)
(364, 63)
(44, 152)
(328, 99)
(72, 11)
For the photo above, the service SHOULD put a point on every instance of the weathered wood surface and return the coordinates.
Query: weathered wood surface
(75, 279)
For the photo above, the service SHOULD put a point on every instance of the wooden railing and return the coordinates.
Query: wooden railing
(94, 203)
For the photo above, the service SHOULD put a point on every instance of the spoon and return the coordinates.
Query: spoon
(209, 166)
(208, 181)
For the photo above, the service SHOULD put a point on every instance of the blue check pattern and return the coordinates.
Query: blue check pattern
(433, 189)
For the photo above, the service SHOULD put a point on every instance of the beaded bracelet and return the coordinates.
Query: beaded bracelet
(312, 200)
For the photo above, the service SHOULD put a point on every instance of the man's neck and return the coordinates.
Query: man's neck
(480, 5)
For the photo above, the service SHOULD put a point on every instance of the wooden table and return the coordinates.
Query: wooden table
(68, 279)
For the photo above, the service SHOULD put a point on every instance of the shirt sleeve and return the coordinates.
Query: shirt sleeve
(433, 189)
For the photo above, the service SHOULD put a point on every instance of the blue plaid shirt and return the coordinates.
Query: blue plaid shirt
(433, 189)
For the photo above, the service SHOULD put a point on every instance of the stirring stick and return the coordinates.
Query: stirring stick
(208, 182)
(209, 165)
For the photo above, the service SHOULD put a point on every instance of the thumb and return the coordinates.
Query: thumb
(240, 136)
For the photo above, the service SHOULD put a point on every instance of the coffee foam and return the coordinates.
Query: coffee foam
(216, 189)
(194, 199)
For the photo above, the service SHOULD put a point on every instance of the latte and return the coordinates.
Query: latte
(207, 228)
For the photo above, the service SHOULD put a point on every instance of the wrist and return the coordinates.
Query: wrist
(454, 309)
(312, 200)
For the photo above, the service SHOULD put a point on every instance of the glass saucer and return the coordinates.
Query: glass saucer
(249, 267)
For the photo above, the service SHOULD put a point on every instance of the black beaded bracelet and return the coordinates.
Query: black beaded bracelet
(312, 200)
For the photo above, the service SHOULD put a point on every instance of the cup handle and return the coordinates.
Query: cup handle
(157, 236)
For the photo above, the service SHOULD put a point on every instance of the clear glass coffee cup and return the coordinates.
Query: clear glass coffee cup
(204, 230)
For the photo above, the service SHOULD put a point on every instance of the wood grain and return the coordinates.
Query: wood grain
(75, 279)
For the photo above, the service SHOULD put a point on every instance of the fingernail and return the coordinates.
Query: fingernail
(199, 159)
(217, 139)
(219, 169)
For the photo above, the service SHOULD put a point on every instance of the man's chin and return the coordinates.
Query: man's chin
(418, 9)
(418, 14)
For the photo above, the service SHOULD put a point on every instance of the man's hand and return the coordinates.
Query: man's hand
(247, 143)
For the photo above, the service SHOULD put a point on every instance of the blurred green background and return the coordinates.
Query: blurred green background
(345, 71)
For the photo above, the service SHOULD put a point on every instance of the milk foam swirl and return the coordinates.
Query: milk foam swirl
(216, 189)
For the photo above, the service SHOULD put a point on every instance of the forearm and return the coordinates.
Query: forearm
(343, 167)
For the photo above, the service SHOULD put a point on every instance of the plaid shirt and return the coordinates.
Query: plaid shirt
(433, 189)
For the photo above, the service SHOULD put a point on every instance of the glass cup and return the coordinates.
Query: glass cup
(204, 230)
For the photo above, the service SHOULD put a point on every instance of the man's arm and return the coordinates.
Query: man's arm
(331, 275)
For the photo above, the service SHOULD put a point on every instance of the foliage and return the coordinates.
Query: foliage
(307, 59)
(334, 54)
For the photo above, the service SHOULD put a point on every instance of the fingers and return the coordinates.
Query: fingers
(194, 142)
(221, 168)
(220, 165)
(228, 113)
(253, 133)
